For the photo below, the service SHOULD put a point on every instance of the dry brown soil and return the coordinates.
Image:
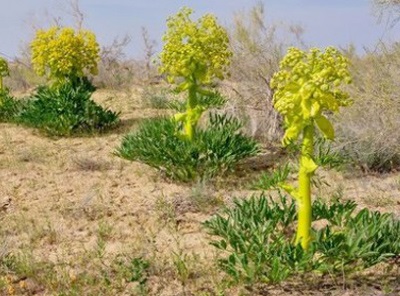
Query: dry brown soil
(66, 200)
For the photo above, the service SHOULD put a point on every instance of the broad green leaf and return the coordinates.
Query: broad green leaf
(292, 133)
(290, 190)
(315, 109)
(180, 117)
(325, 127)
(308, 165)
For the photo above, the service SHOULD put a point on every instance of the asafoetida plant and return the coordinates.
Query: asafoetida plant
(306, 86)
(194, 55)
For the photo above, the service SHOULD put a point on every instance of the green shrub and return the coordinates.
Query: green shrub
(156, 98)
(9, 106)
(214, 151)
(66, 110)
(257, 235)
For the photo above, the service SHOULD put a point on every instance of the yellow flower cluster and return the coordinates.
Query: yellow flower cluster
(306, 86)
(197, 52)
(4, 70)
(62, 53)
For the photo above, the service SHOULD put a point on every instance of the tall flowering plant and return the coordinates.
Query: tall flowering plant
(194, 55)
(306, 89)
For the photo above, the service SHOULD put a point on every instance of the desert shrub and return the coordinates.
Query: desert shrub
(157, 97)
(116, 71)
(66, 110)
(367, 132)
(256, 238)
(214, 151)
(22, 77)
(257, 45)
(388, 10)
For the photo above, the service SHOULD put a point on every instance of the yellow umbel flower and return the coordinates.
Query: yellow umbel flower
(62, 53)
(195, 51)
(306, 86)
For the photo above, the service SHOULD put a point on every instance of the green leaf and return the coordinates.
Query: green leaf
(291, 134)
(308, 165)
(325, 127)
(180, 117)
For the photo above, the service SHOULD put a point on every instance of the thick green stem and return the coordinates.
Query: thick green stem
(304, 200)
(190, 125)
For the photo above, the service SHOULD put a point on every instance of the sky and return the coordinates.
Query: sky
(325, 22)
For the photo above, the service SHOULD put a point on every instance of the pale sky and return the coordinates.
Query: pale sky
(326, 22)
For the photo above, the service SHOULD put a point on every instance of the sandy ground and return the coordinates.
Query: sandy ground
(58, 196)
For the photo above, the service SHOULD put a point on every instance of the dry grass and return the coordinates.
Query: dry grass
(258, 46)
(368, 130)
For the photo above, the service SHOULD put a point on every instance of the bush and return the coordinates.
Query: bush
(258, 45)
(257, 235)
(66, 110)
(367, 132)
(9, 107)
(159, 98)
(214, 151)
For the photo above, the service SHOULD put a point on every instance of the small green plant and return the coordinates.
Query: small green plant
(272, 180)
(214, 151)
(256, 237)
(66, 110)
(4, 71)
(194, 55)
(133, 270)
(181, 263)
(9, 107)
(306, 87)
(326, 156)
